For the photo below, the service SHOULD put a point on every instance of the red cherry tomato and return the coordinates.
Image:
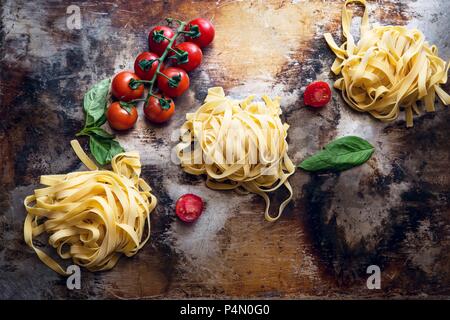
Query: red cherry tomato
(143, 67)
(120, 86)
(189, 207)
(205, 29)
(192, 60)
(157, 44)
(121, 118)
(174, 83)
(157, 112)
(317, 94)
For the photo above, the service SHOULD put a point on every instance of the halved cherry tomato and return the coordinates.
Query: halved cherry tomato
(189, 207)
(156, 42)
(174, 82)
(205, 33)
(121, 89)
(159, 109)
(192, 57)
(121, 117)
(144, 67)
(317, 94)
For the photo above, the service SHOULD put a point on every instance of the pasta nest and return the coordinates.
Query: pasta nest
(93, 217)
(391, 67)
(239, 145)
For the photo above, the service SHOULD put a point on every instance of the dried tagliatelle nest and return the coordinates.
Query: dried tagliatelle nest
(92, 217)
(238, 145)
(390, 69)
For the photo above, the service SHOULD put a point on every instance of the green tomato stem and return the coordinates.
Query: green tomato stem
(162, 74)
(174, 50)
(154, 95)
(189, 33)
(178, 21)
(136, 100)
(142, 81)
(164, 37)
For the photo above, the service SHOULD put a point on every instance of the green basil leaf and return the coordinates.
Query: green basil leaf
(341, 154)
(101, 121)
(99, 132)
(94, 103)
(103, 149)
(101, 143)
(115, 149)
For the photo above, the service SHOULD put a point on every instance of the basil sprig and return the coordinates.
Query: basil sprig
(101, 143)
(341, 154)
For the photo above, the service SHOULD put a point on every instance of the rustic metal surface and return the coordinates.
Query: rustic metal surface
(393, 211)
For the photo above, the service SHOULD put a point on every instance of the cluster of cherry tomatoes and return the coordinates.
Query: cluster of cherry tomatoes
(165, 68)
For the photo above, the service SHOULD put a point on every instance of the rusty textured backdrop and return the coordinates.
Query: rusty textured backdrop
(393, 211)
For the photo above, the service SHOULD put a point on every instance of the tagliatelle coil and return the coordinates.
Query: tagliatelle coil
(391, 67)
(92, 217)
(238, 145)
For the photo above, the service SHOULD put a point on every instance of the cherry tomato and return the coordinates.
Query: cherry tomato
(205, 29)
(121, 118)
(157, 44)
(157, 112)
(177, 83)
(189, 207)
(120, 86)
(317, 94)
(142, 66)
(192, 60)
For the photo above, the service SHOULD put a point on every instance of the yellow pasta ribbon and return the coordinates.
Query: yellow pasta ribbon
(92, 217)
(240, 145)
(390, 68)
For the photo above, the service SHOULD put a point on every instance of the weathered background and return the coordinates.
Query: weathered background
(393, 211)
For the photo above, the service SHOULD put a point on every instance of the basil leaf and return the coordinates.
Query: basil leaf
(341, 154)
(94, 103)
(101, 142)
(101, 121)
(99, 132)
(103, 149)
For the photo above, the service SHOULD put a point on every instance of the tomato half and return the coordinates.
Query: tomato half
(144, 67)
(192, 57)
(156, 42)
(120, 86)
(189, 207)
(157, 110)
(205, 33)
(174, 82)
(121, 118)
(317, 94)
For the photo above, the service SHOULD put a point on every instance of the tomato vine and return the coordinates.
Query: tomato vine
(180, 55)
